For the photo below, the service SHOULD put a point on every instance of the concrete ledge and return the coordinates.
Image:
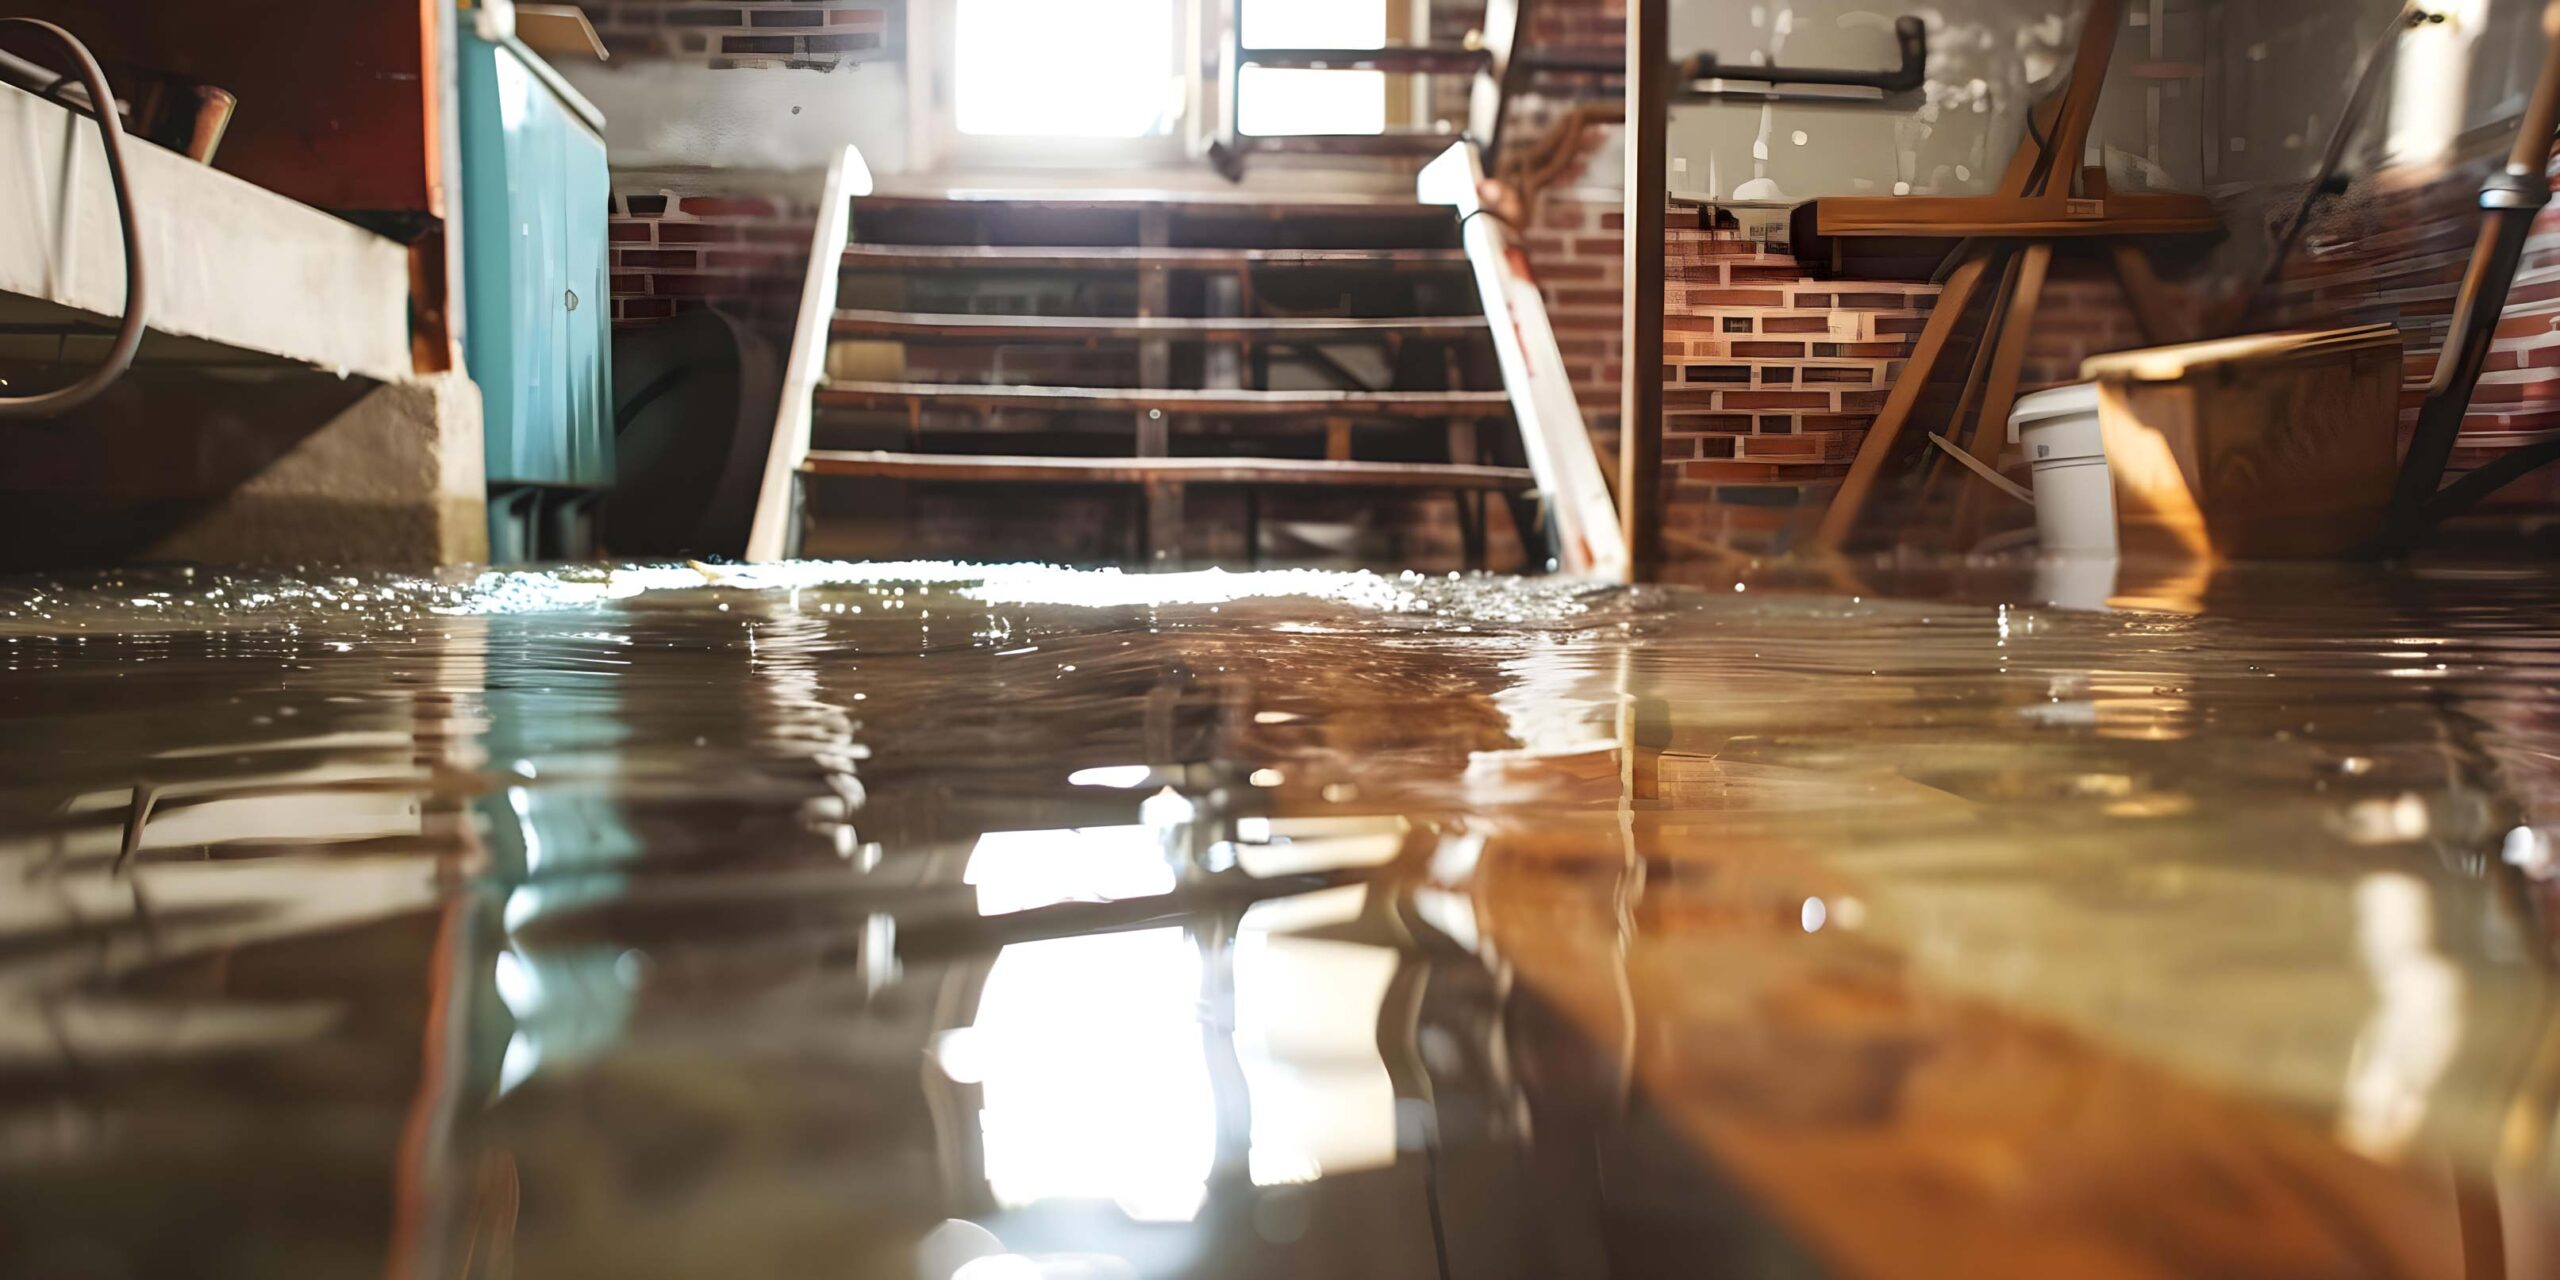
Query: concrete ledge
(394, 481)
(228, 262)
(272, 467)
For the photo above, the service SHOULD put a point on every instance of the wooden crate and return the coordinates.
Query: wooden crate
(2271, 446)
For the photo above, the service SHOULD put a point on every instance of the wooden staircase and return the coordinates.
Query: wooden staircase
(1161, 343)
(1157, 345)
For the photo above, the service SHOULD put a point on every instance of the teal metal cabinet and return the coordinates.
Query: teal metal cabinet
(537, 316)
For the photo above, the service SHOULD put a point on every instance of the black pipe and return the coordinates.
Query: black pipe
(1909, 33)
(2511, 202)
(2504, 470)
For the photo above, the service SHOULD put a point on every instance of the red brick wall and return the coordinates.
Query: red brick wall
(742, 33)
(2393, 251)
(1578, 246)
(673, 252)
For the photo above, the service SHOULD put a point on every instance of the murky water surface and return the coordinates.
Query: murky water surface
(922, 921)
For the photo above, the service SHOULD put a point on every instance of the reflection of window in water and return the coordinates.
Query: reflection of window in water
(1307, 1039)
(1019, 870)
(1066, 68)
(1094, 1081)
(1090, 1055)
(1093, 1077)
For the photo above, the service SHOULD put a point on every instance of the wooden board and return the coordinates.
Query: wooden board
(1406, 60)
(2041, 217)
(338, 101)
(913, 325)
(1129, 258)
(1207, 201)
(1019, 469)
(1405, 404)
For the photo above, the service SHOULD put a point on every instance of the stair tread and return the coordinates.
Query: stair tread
(1019, 467)
(1025, 257)
(862, 322)
(1400, 58)
(1388, 142)
(1257, 203)
(859, 393)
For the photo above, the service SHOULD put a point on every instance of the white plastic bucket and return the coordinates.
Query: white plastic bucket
(2075, 497)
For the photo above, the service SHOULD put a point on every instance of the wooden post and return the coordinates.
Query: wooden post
(1155, 371)
(1640, 363)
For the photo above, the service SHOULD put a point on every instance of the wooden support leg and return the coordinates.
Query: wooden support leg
(1252, 526)
(2000, 393)
(1337, 439)
(1875, 453)
(2153, 311)
(1934, 466)
(1464, 446)
(1160, 523)
(1640, 397)
(1470, 528)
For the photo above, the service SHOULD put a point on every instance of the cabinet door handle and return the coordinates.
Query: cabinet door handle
(572, 296)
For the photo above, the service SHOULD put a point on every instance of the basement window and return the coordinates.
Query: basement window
(1067, 68)
(1275, 101)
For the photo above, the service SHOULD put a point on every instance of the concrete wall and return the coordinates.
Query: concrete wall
(669, 115)
(2284, 69)
(1988, 61)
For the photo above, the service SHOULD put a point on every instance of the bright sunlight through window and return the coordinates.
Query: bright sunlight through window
(1274, 101)
(1066, 68)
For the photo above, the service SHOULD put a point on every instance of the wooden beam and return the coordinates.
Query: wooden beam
(1849, 506)
(1648, 188)
(2017, 217)
(2155, 311)
(1162, 503)
(2008, 361)
(2070, 138)
(1246, 471)
(774, 531)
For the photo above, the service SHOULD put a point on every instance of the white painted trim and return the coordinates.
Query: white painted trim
(1552, 432)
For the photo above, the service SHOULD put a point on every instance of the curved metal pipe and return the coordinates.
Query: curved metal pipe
(50, 404)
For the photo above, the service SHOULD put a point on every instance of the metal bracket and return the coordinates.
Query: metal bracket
(2507, 189)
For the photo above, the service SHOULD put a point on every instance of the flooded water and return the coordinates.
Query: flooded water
(922, 921)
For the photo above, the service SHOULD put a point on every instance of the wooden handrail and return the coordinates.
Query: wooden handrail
(1552, 433)
(772, 535)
